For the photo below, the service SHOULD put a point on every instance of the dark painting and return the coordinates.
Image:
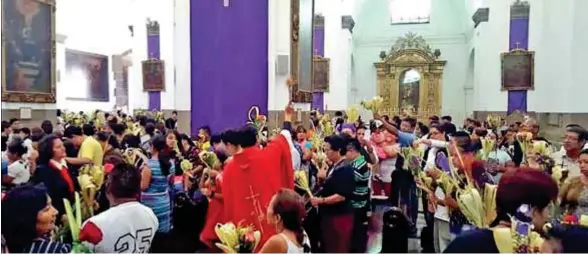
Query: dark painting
(517, 70)
(320, 77)
(153, 75)
(89, 73)
(28, 49)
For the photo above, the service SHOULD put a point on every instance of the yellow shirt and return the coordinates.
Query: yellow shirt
(92, 150)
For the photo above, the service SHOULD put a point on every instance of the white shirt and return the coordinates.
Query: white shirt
(561, 159)
(125, 228)
(388, 166)
(441, 212)
(19, 170)
(292, 247)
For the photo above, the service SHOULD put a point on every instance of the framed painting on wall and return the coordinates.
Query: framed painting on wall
(88, 73)
(153, 75)
(517, 70)
(28, 51)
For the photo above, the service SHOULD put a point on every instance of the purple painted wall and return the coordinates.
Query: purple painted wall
(153, 51)
(518, 38)
(318, 99)
(229, 62)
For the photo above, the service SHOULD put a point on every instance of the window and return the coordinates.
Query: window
(410, 11)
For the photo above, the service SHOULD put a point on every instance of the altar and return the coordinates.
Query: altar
(409, 78)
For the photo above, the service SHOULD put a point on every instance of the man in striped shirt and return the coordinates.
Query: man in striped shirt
(361, 195)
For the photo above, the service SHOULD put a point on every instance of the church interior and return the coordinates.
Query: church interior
(228, 59)
(202, 67)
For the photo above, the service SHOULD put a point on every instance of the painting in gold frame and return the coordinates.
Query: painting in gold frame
(28, 51)
(297, 95)
(320, 74)
(153, 75)
(517, 69)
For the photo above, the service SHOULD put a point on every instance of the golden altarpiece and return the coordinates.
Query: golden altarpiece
(420, 97)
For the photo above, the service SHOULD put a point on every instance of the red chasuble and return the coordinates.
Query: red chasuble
(251, 179)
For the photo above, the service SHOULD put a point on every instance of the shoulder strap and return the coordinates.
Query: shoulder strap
(503, 239)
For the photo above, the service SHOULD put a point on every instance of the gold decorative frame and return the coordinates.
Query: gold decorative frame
(410, 52)
(33, 97)
(517, 53)
(160, 87)
(317, 85)
(296, 95)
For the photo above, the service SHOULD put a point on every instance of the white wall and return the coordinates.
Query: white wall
(279, 44)
(338, 50)
(182, 55)
(87, 29)
(446, 31)
(557, 35)
(164, 12)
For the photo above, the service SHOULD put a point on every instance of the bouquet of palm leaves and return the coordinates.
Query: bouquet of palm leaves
(488, 145)
(494, 121)
(352, 114)
(91, 178)
(158, 116)
(209, 159)
(374, 105)
(74, 222)
(412, 158)
(240, 239)
(525, 139)
(302, 181)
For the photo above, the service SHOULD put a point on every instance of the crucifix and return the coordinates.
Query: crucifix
(226, 3)
(257, 210)
(517, 44)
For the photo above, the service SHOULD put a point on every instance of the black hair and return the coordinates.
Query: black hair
(37, 135)
(89, 130)
(447, 118)
(150, 129)
(174, 112)
(339, 113)
(124, 181)
(215, 139)
(5, 125)
(434, 118)
(188, 139)
(118, 129)
(58, 112)
(411, 121)
(158, 143)
(46, 149)
(338, 143)
(582, 134)
(13, 120)
(423, 128)
(231, 136)
(107, 137)
(449, 128)
(463, 141)
(16, 146)
(142, 120)
(47, 127)
(131, 141)
(19, 215)
(248, 136)
(353, 144)
(73, 131)
(26, 131)
(481, 132)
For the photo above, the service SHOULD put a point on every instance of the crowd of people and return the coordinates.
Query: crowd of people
(486, 186)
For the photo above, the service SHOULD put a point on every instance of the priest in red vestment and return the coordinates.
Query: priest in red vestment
(254, 175)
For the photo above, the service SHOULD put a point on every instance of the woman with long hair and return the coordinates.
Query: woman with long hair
(574, 194)
(53, 172)
(523, 197)
(286, 211)
(110, 146)
(155, 182)
(27, 219)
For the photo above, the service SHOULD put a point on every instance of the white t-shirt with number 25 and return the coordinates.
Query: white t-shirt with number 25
(125, 228)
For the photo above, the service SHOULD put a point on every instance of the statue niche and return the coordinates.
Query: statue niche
(409, 78)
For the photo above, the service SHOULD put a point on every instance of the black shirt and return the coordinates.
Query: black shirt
(340, 181)
(170, 123)
(473, 241)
